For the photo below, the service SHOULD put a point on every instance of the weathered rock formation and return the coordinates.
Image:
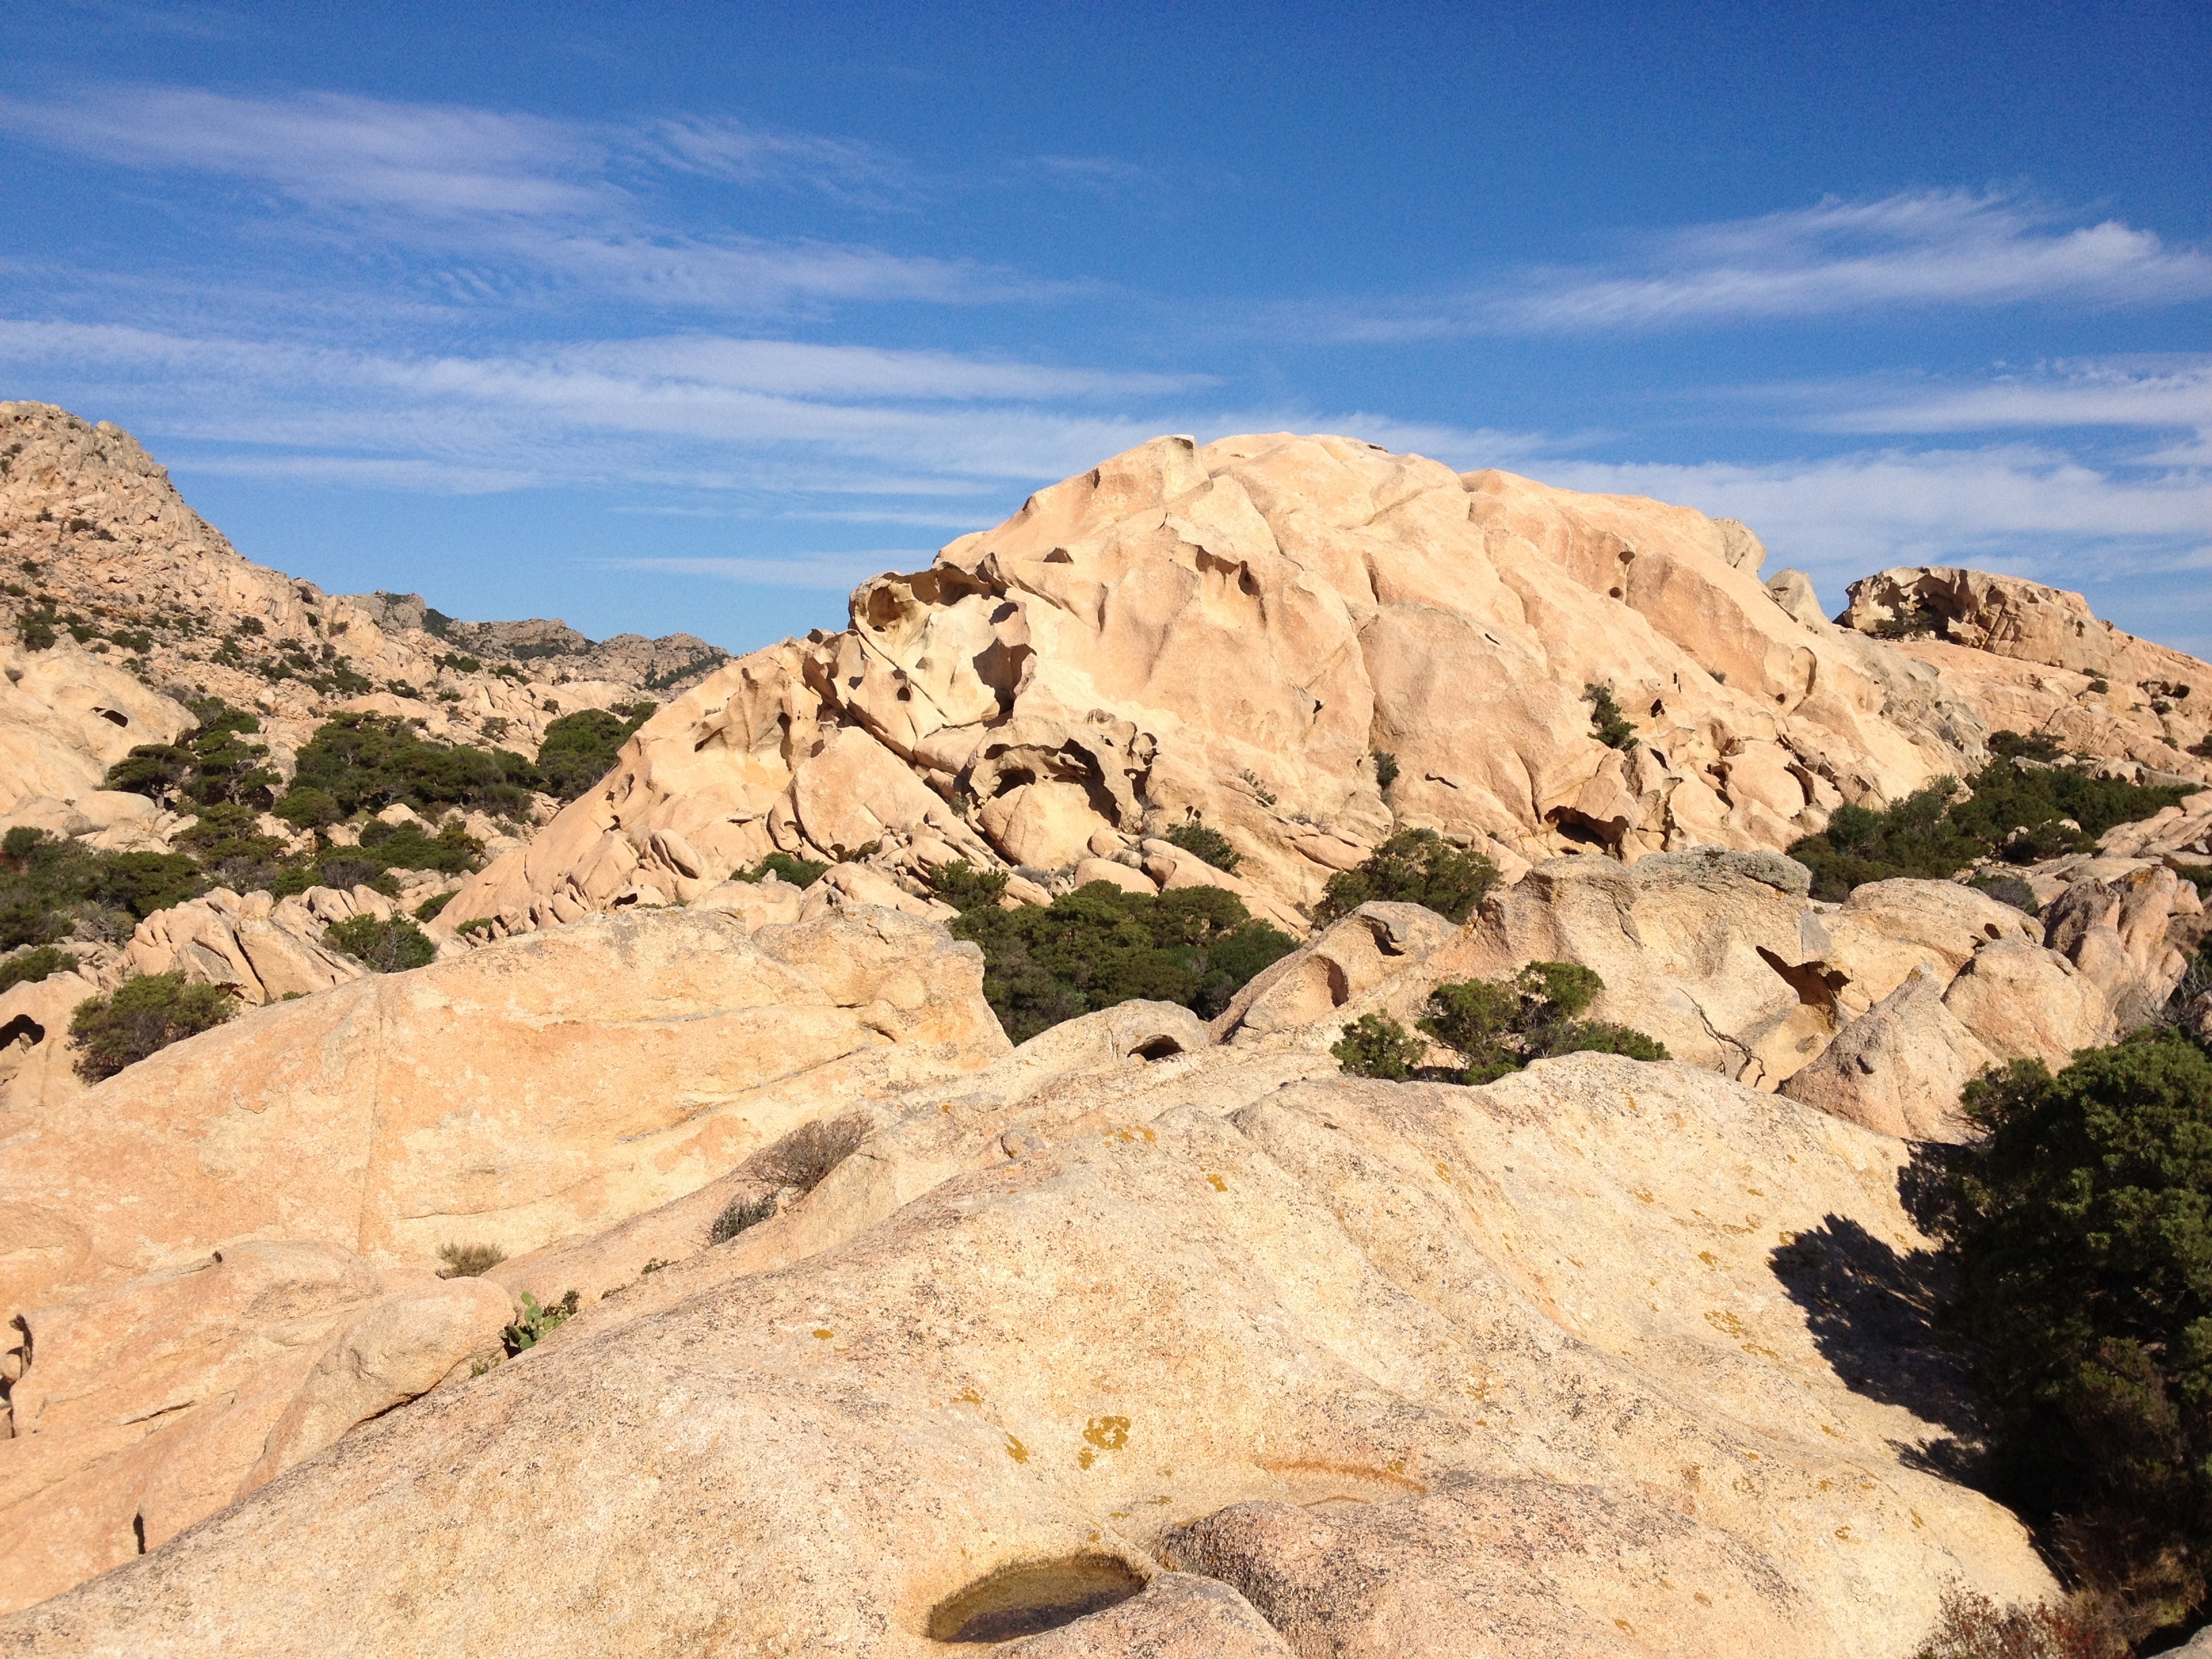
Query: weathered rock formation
(2035, 660)
(513, 1096)
(96, 537)
(1235, 631)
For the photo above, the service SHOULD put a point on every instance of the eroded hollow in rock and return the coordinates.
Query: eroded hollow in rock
(1030, 1596)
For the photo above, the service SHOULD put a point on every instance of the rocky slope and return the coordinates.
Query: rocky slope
(97, 548)
(1122, 1301)
(1242, 632)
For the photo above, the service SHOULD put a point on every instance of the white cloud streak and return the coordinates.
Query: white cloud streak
(837, 572)
(1932, 249)
(553, 198)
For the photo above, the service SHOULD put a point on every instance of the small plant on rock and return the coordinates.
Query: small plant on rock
(1385, 769)
(1497, 1028)
(1210, 845)
(29, 967)
(143, 1017)
(469, 1260)
(1972, 1626)
(741, 1214)
(536, 1323)
(390, 945)
(1377, 1045)
(1607, 724)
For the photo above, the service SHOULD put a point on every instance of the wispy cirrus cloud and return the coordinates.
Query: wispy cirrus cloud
(2129, 392)
(568, 201)
(837, 572)
(1928, 249)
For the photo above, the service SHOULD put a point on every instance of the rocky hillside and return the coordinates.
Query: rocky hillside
(97, 548)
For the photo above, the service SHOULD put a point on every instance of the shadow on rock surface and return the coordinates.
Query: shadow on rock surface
(1872, 1310)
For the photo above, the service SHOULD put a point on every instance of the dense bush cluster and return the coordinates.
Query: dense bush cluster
(49, 886)
(365, 763)
(1607, 724)
(2020, 814)
(1414, 867)
(964, 887)
(143, 1017)
(2082, 1238)
(579, 749)
(212, 764)
(1099, 946)
(1495, 1028)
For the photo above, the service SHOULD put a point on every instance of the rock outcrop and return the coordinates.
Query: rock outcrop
(1404, 1369)
(138, 591)
(1236, 632)
(142, 1408)
(517, 1095)
(2035, 660)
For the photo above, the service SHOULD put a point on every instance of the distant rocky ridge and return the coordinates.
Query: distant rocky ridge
(98, 548)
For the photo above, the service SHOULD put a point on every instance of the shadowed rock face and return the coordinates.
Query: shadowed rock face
(1408, 1369)
(1233, 631)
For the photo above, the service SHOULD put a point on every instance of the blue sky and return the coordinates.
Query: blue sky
(663, 317)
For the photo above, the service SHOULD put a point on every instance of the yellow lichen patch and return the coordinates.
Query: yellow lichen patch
(1108, 1434)
(1843, 1533)
(1724, 1321)
(1642, 1194)
(1218, 1183)
(1625, 1626)
(1086, 1458)
(1917, 1524)
(1016, 1450)
(1702, 1599)
(825, 1335)
(970, 1396)
(1763, 1353)
(1709, 1258)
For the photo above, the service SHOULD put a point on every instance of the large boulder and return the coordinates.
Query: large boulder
(1556, 1357)
(518, 1094)
(1898, 1068)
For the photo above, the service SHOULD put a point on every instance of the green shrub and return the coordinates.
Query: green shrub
(2007, 745)
(469, 1260)
(47, 885)
(390, 946)
(799, 873)
(579, 749)
(964, 887)
(741, 1214)
(307, 809)
(475, 925)
(1934, 833)
(429, 909)
(1377, 1045)
(143, 1017)
(1386, 769)
(1414, 867)
(1607, 724)
(1499, 1028)
(41, 963)
(2082, 1238)
(452, 851)
(365, 763)
(536, 1323)
(1210, 845)
(1098, 946)
(213, 764)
